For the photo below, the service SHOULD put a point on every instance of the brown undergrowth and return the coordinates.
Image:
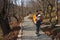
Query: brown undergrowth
(13, 34)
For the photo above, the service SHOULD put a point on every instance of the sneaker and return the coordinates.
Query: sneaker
(38, 35)
(35, 34)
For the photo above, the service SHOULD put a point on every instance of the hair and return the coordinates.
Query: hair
(37, 14)
(36, 10)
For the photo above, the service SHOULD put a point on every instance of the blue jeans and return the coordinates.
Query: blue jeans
(37, 29)
(38, 23)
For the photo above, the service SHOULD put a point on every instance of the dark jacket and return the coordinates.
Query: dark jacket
(38, 22)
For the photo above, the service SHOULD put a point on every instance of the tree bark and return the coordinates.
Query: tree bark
(3, 19)
(5, 26)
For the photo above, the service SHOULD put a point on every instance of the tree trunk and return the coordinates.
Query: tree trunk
(5, 26)
(3, 19)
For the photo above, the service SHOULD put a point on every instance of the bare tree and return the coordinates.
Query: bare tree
(3, 18)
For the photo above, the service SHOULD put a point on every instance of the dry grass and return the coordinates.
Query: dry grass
(13, 34)
(15, 29)
(45, 20)
(1, 35)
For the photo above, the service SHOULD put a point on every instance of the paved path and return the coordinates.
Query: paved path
(29, 31)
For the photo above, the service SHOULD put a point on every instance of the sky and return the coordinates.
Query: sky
(19, 2)
(58, 0)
